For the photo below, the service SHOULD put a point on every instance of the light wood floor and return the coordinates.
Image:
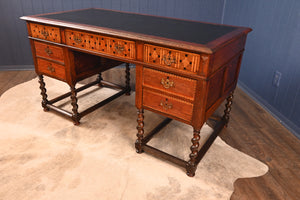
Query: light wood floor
(252, 131)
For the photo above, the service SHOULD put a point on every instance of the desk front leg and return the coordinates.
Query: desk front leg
(43, 93)
(191, 166)
(140, 128)
(75, 114)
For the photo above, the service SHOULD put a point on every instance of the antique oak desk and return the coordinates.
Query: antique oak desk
(184, 69)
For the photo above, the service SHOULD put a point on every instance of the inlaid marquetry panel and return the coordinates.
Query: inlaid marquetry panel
(99, 43)
(169, 83)
(171, 58)
(50, 33)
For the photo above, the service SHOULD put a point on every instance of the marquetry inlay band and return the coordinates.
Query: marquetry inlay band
(99, 43)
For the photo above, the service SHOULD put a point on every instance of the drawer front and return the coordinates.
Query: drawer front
(44, 32)
(49, 51)
(99, 43)
(51, 69)
(169, 83)
(168, 105)
(181, 60)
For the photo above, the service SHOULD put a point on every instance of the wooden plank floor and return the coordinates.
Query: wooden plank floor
(251, 130)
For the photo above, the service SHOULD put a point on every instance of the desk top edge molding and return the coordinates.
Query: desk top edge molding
(208, 48)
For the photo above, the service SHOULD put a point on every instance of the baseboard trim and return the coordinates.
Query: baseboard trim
(16, 67)
(292, 127)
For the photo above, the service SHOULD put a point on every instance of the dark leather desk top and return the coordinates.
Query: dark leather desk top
(189, 31)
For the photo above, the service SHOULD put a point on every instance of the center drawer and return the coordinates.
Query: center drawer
(99, 43)
(169, 83)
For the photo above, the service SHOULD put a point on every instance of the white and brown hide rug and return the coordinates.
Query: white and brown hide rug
(43, 156)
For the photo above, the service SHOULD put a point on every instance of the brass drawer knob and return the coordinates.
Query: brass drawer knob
(50, 68)
(168, 59)
(166, 105)
(48, 51)
(167, 83)
(45, 33)
(77, 39)
(119, 48)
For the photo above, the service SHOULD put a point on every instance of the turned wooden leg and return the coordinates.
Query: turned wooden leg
(127, 76)
(99, 79)
(228, 108)
(140, 128)
(43, 93)
(192, 165)
(75, 116)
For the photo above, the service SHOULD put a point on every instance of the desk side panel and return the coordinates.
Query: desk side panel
(226, 53)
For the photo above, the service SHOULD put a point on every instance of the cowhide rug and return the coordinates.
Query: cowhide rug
(44, 156)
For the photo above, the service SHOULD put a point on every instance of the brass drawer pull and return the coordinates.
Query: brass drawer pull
(45, 33)
(166, 105)
(168, 59)
(77, 39)
(119, 48)
(50, 68)
(167, 83)
(48, 51)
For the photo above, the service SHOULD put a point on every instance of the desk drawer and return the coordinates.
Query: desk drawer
(52, 69)
(169, 83)
(44, 32)
(168, 105)
(171, 58)
(49, 51)
(96, 42)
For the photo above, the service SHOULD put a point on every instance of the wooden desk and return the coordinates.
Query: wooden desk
(184, 69)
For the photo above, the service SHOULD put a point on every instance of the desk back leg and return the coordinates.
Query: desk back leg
(127, 82)
(99, 79)
(228, 108)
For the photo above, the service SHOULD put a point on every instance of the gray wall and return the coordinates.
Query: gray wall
(273, 44)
